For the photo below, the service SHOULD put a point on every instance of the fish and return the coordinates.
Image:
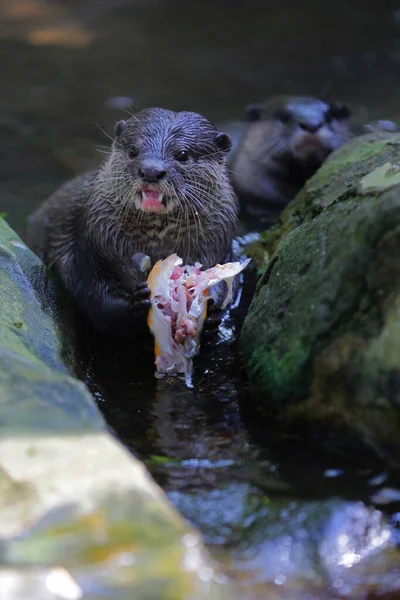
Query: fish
(179, 296)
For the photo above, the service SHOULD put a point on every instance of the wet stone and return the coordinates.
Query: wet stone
(321, 339)
(79, 515)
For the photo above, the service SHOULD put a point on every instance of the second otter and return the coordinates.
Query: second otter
(286, 141)
(164, 188)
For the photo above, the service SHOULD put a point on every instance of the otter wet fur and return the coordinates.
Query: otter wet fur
(285, 142)
(163, 188)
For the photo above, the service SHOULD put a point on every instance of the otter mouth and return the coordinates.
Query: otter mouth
(152, 199)
(310, 147)
(311, 141)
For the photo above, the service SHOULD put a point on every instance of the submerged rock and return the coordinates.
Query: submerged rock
(297, 549)
(321, 341)
(79, 516)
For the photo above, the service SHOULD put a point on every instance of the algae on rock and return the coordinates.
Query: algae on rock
(333, 181)
(79, 515)
(36, 350)
(321, 339)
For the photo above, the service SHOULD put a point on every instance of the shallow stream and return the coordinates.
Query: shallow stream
(284, 520)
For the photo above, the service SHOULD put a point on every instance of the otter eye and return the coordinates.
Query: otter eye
(284, 115)
(254, 112)
(337, 111)
(133, 152)
(182, 156)
(224, 142)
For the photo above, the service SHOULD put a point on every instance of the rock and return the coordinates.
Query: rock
(79, 516)
(297, 549)
(380, 125)
(36, 391)
(321, 341)
(368, 151)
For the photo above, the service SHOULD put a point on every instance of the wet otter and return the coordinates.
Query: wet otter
(285, 142)
(163, 188)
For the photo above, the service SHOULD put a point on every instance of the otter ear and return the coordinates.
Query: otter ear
(254, 112)
(118, 129)
(224, 142)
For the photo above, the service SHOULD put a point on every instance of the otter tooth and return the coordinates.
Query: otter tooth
(160, 197)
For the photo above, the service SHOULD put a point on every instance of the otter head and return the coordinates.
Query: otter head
(163, 161)
(308, 129)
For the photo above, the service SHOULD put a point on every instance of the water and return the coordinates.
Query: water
(285, 521)
(67, 61)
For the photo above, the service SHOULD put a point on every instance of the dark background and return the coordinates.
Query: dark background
(63, 63)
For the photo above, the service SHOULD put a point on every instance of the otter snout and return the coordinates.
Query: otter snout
(311, 125)
(152, 172)
(152, 197)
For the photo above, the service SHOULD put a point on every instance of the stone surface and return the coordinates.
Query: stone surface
(82, 507)
(79, 515)
(298, 549)
(321, 340)
(36, 391)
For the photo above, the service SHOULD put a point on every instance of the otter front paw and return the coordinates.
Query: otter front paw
(141, 298)
(212, 321)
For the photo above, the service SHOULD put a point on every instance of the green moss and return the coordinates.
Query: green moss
(341, 171)
(332, 183)
(263, 249)
(326, 295)
(36, 389)
(298, 299)
(275, 372)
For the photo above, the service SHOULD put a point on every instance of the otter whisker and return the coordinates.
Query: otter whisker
(107, 134)
(206, 198)
(206, 214)
(128, 112)
(144, 198)
(217, 153)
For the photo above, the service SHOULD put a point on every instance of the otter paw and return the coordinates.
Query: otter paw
(212, 322)
(141, 298)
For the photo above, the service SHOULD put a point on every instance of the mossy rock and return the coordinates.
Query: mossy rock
(321, 341)
(334, 180)
(79, 515)
(36, 349)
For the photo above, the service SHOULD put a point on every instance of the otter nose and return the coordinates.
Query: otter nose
(311, 125)
(151, 173)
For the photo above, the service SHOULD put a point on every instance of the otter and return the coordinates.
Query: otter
(163, 188)
(286, 140)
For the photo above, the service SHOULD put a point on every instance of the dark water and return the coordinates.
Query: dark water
(271, 509)
(64, 61)
(285, 521)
